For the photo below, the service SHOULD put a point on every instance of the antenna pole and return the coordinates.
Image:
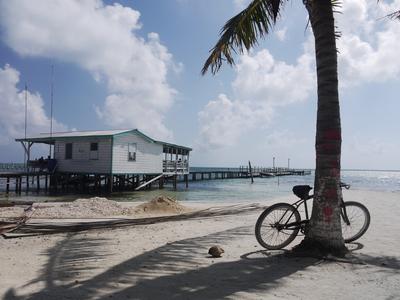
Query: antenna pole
(51, 106)
(26, 118)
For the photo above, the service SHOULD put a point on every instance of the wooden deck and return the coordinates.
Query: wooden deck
(20, 180)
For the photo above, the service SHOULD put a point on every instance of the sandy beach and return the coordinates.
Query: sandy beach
(168, 259)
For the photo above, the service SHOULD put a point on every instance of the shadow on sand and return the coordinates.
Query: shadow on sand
(178, 270)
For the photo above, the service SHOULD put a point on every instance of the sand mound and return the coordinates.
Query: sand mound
(161, 205)
(97, 207)
(81, 208)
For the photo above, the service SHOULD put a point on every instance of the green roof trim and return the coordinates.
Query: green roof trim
(50, 139)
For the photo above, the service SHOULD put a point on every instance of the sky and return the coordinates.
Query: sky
(136, 64)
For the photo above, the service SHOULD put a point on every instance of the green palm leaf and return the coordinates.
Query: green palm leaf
(242, 32)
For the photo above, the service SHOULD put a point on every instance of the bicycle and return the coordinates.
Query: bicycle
(280, 223)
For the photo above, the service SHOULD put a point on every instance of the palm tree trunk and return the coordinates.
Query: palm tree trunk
(324, 229)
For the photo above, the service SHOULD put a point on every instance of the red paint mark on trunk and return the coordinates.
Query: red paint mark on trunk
(334, 163)
(328, 212)
(324, 148)
(335, 172)
(332, 134)
(330, 193)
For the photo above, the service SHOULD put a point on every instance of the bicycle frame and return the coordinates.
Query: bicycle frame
(297, 225)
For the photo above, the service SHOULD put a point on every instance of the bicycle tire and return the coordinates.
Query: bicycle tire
(359, 219)
(265, 231)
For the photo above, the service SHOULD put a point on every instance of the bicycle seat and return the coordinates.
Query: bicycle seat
(302, 191)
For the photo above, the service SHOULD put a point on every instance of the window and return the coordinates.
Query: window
(94, 153)
(68, 151)
(132, 152)
(94, 146)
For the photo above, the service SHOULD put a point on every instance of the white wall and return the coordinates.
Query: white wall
(149, 156)
(81, 161)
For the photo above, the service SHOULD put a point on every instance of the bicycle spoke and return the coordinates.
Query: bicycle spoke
(270, 228)
(358, 218)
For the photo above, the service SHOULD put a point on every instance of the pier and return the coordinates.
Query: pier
(17, 179)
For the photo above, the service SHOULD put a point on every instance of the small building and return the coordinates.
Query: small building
(112, 152)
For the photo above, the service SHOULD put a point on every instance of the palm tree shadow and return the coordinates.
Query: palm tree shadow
(179, 270)
(386, 263)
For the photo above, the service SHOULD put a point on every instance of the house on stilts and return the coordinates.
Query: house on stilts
(108, 160)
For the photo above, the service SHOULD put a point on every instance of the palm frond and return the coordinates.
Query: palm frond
(395, 15)
(243, 31)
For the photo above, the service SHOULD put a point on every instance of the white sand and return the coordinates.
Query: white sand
(169, 260)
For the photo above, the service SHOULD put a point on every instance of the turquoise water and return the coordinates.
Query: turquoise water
(264, 189)
(239, 190)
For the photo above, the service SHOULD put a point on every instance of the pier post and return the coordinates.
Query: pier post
(110, 183)
(251, 173)
(8, 185)
(37, 183)
(175, 181)
(186, 181)
(46, 182)
(161, 183)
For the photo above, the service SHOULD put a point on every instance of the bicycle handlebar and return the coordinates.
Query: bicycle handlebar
(345, 185)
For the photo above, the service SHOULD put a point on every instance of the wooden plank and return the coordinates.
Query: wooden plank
(148, 182)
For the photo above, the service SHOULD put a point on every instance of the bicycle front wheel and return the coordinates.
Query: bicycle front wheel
(359, 220)
(277, 226)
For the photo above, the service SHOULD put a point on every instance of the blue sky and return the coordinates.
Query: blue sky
(136, 64)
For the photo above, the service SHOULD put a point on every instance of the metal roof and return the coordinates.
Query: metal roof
(48, 138)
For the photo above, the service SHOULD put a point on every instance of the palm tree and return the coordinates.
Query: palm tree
(242, 32)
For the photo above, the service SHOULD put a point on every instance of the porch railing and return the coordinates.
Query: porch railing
(175, 166)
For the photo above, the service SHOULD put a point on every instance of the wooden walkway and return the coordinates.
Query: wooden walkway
(244, 172)
(36, 181)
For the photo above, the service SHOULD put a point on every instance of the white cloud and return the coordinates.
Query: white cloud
(103, 40)
(262, 84)
(268, 82)
(369, 44)
(224, 121)
(12, 112)
(281, 34)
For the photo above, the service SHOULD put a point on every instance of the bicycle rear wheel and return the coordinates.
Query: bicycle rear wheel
(272, 230)
(359, 220)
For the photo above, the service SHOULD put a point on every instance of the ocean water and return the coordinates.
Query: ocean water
(264, 189)
(240, 190)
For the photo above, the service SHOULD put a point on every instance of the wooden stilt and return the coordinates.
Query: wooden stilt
(16, 185)
(8, 185)
(19, 184)
(110, 183)
(186, 180)
(175, 181)
(37, 183)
